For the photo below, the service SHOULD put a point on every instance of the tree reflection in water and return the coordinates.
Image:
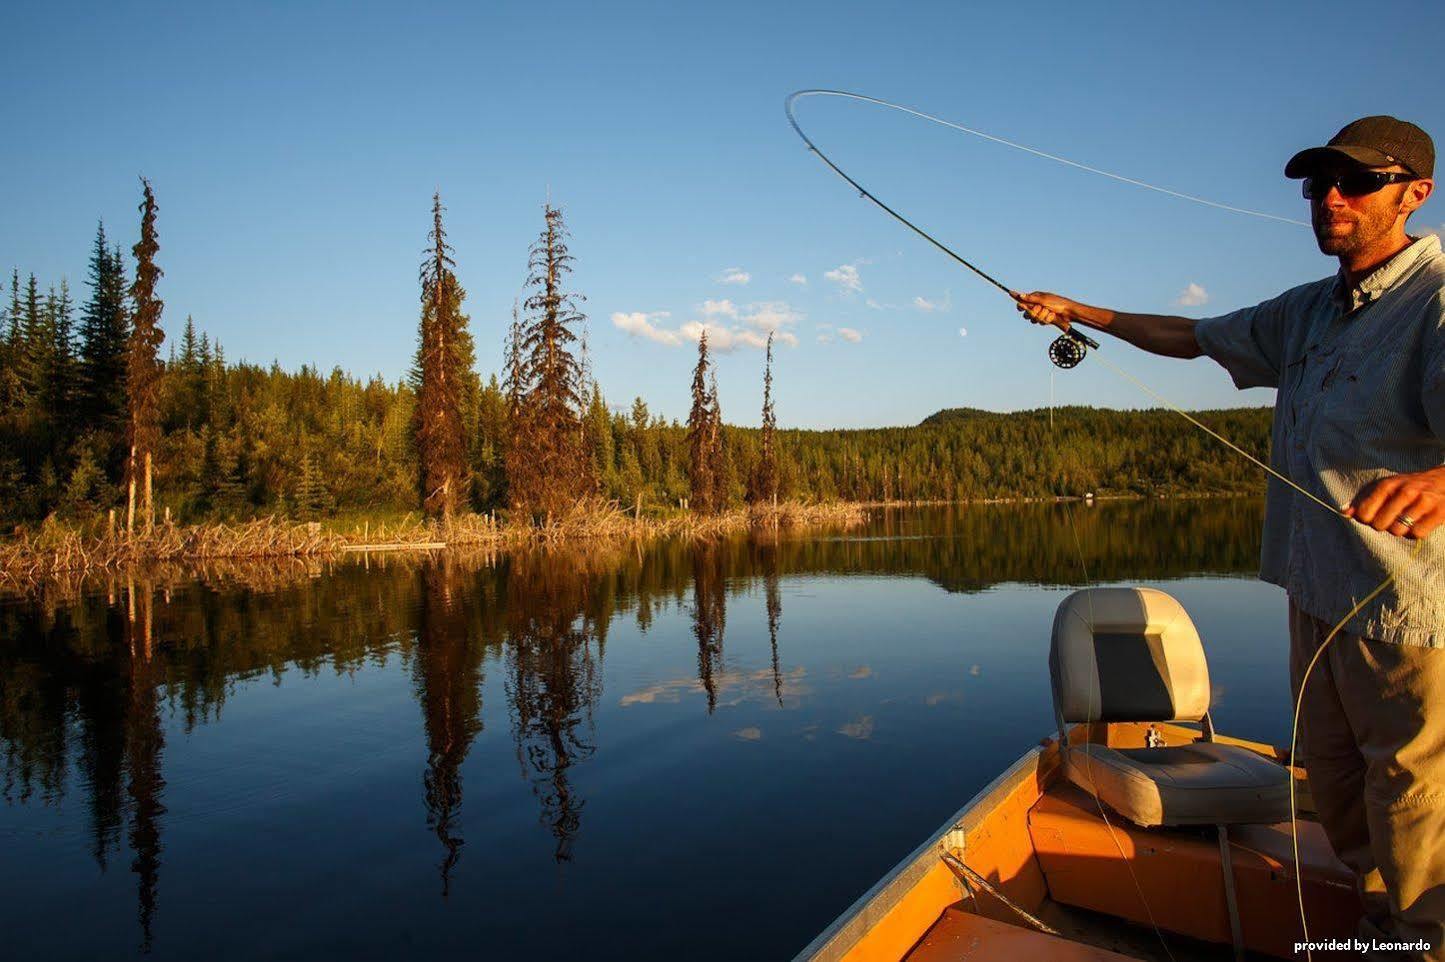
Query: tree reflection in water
(556, 631)
(709, 616)
(448, 680)
(767, 550)
(144, 740)
(88, 668)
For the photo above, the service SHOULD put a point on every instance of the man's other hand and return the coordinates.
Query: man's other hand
(1418, 497)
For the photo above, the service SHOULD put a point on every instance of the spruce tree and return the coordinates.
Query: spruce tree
(60, 387)
(311, 498)
(34, 344)
(444, 361)
(190, 345)
(700, 461)
(7, 362)
(187, 377)
(599, 436)
(12, 335)
(721, 469)
(12, 465)
(104, 328)
(549, 470)
(514, 390)
(143, 370)
(764, 486)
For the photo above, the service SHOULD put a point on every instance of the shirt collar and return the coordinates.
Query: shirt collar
(1384, 277)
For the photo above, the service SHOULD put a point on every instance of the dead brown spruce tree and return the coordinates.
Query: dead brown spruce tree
(548, 470)
(143, 369)
(444, 361)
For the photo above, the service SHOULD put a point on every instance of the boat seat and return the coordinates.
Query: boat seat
(1133, 655)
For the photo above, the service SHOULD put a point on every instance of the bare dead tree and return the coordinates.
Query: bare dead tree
(444, 357)
(143, 369)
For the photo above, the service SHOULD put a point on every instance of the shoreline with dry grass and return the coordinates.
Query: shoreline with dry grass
(57, 548)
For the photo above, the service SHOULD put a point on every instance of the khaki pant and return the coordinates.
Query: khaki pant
(1372, 738)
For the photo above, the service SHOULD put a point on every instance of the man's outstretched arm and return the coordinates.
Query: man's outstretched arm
(1162, 334)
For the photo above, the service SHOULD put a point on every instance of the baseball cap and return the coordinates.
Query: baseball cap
(1377, 141)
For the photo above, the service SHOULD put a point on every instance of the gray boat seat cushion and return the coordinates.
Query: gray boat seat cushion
(1203, 783)
(1134, 655)
(1127, 654)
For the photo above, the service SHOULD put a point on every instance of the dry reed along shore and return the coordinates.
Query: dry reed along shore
(56, 548)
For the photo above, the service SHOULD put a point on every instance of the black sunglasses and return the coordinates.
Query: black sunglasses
(1354, 183)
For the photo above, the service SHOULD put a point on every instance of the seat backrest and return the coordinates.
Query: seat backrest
(1126, 654)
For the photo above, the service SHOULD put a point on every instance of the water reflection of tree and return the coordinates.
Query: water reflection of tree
(767, 550)
(709, 615)
(448, 678)
(554, 612)
(102, 706)
(144, 740)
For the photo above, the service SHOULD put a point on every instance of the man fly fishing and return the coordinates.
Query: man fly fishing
(1358, 360)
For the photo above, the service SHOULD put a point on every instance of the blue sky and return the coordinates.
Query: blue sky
(294, 148)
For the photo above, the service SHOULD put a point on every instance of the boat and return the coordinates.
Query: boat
(1137, 831)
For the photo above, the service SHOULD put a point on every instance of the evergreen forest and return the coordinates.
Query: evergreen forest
(100, 410)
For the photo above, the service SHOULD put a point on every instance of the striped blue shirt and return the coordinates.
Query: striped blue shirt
(1360, 374)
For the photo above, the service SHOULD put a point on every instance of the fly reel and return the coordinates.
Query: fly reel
(1070, 347)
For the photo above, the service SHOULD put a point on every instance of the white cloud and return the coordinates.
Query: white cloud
(846, 277)
(873, 305)
(928, 307)
(771, 315)
(725, 307)
(728, 326)
(734, 275)
(799, 279)
(731, 687)
(1192, 296)
(850, 335)
(725, 340)
(963, 332)
(825, 338)
(639, 324)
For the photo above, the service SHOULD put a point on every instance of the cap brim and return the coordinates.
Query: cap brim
(1308, 161)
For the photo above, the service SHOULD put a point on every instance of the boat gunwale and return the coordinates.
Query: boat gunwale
(859, 918)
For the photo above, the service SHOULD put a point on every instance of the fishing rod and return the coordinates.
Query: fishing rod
(1071, 347)
(1066, 351)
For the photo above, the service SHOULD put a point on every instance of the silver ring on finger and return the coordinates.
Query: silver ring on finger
(1405, 520)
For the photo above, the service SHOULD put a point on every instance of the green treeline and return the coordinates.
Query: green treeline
(92, 419)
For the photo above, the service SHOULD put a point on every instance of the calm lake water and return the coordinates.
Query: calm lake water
(701, 752)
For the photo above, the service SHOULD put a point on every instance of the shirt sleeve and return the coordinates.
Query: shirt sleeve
(1432, 386)
(1249, 343)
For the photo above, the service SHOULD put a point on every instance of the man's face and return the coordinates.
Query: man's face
(1346, 225)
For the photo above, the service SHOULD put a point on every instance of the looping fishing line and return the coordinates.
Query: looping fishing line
(797, 95)
(1311, 496)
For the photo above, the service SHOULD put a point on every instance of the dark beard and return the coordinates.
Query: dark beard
(1337, 246)
(1369, 228)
